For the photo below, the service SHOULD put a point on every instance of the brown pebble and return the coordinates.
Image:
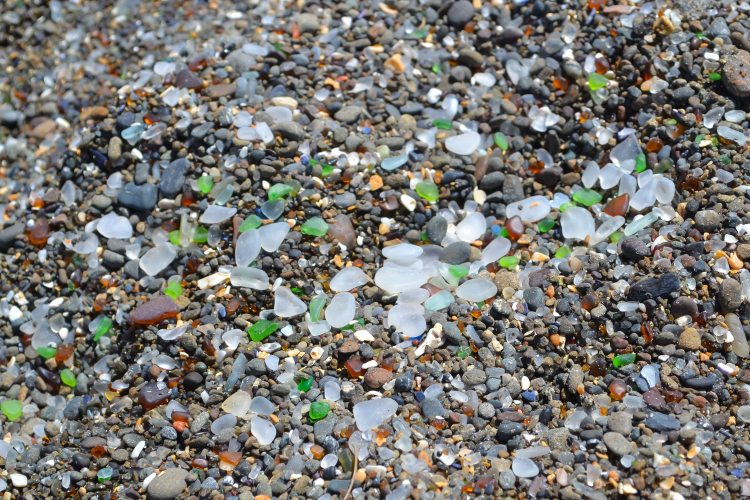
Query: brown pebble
(376, 377)
(349, 347)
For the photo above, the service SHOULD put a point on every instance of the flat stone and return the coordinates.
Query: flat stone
(655, 287)
(437, 228)
(173, 177)
(143, 197)
(93, 442)
(221, 90)
(684, 306)
(377, 377)
(432, 408)
(460, 13)
(290, 130)
(168, 486)
(690, 340)
(617, 443)
(506, 279)
(660, 422)
(348, 114)
(635, 248)
(707, 221)
(621, 422)
(456, 253)
(575, 378)
(8, 235)
(730, 295)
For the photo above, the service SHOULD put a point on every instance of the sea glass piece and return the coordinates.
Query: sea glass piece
(272, 235)
(577, 223)
(348, 279)
(115, 226)
(472, 227)
(286, 304)
(341, 310)
(249, 277)
(428, 190)
(263, 430)
(318, 410)
(476, 290)
(373, 413)
(314, 227)
(12, 409)
(157, 259)
(248, 247)
(532, 209)
(316, 307)
(252, 222)
(623, 360)
(262, 329)
(151, 396)
(102, 328)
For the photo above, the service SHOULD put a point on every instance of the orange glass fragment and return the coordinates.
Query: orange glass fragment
(618, 206)
(38, 232)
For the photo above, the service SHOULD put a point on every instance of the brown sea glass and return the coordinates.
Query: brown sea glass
(618, 206)
(354, 366)
(515, 227)
(589, 302)
(199, 463)
(38, 232)
(151, 396)
(228, 460)
(343, 231)
(155, 310)
(598, 367)
(617, 389)
(64, 352)
(51, 378)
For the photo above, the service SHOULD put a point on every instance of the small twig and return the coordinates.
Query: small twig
(354, 472)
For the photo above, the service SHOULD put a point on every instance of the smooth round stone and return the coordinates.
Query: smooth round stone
(524, 467)
(348, 279)
(531, 209)
(248, 248)
(341, 310)
(476, 290)
(472, 227)
(249, 277)
(577, 223)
